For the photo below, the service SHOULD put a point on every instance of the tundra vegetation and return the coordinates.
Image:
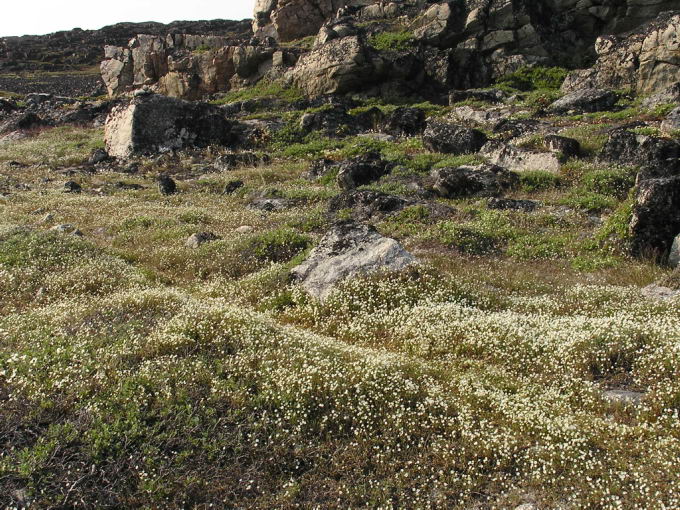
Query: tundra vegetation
(520, 364)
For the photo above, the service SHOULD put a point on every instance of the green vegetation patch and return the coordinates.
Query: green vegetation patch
(392, 41)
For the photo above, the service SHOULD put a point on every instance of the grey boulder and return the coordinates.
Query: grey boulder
(347, 250)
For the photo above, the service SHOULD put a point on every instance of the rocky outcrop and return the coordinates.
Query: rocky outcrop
(188, 66)
(79, 47)
(287, 20)
(338, 66)
(154, 123)
(348, 249)
(646, 61)
(658, 157)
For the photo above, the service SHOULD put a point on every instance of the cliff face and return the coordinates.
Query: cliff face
(448, 45)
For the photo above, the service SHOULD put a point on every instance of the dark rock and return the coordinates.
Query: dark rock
(126, 186)
(166, 185)
(366, 204)
(585, 101)
(232, 186)
(362, 170)
(234, 160)
(515, 128)
(370, 119)
(487, 95)
(98, 156)
(511, 204)
(22, 122)
(270, 204)
(72, 187)
(452, 139)
(568, 147)
(405, 122)
(659, 157)
(333, 121)
(656, 217)
(465, 181)
(7, 105)
(347, 250)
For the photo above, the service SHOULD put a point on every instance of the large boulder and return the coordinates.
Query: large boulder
(466, 181)
(362, 170)
(336, 67)
(287, 20)
(347, 250)
(452, 139)
(656, 217)
(153, 123)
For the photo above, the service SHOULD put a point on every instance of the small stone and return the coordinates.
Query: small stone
(65, 228)
(166, 185)
(196, 240)
(98, 156)
(674, 257)
(72, 187)
(244, 229)
(47, 218)
(232, 186)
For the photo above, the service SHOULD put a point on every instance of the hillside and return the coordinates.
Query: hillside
(370, 257)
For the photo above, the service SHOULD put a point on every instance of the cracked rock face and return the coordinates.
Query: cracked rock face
(646, 61)
(347, 250)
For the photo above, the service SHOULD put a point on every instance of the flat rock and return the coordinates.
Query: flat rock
(660, 292)
(347, 250)
(518, 159)
(623, 396)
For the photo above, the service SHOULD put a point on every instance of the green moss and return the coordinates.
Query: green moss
(588, 201)
(612, 182)
(278, 245)
(538, 180)
(392, 41)
(262, 89)
(534, 78)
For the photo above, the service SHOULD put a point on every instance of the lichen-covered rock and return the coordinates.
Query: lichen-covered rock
(656, 217)
(347, 250)
(658, 157)
(339, 66)
(367, 204)
(154, 123)
(466, 181)
(646, 61)
(671, 123)
(674, 256)
(452, 138)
